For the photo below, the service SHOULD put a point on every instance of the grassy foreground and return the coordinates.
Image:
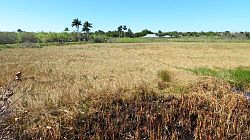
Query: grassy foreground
(113, 91)
(207, 110)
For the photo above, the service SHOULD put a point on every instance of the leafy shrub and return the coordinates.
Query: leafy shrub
(8, 37)
(98, 40)
(28, 37)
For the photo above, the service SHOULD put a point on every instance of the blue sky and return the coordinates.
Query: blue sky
(165, 15)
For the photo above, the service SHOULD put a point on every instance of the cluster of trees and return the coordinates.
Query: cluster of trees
(40, 37)
(101, 36)
(122, 31)
(12, 37)
(226, 34)
(85, 27)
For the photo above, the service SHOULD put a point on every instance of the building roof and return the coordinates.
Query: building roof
(150, 36)
(167, 36)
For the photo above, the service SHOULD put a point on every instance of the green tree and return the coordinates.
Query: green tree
(130, 33)
(66, 29)
(247, 34)
(86, 28)
(77, 23)
(160, 33)
(143, 33)
(113, 34)
(8, 38)
(19, 30)
(99, 32)
(124, 29)
(28, 37)
(120, 30)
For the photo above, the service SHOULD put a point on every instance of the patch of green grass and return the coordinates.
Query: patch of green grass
(204, 71)
(238, 77)
(178, 89)
(5, 46)
(1, 47)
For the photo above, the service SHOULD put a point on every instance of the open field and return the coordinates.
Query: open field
(120, 64)
(59, 77)
(123, 65)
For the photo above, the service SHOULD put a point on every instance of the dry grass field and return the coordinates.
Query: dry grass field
(118, 64)
(55, 79)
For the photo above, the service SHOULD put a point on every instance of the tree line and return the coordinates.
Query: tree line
(85, 34)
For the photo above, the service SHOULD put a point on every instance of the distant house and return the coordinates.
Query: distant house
(167, 36)
(150, 36)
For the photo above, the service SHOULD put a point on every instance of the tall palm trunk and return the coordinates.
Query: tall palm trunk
(79, 36)
(87, 33)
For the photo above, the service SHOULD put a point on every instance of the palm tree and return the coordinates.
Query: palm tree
(86, 28)
(76, 22)
(124, 29)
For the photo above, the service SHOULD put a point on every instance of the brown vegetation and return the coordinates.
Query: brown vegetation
(111, 91)
(210, 110)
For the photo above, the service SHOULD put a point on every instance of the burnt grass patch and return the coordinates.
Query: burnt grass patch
(209, 111)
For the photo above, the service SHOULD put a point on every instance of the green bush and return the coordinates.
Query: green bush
(8, 38)
(56, 37)
(98, 38)
(28, 37)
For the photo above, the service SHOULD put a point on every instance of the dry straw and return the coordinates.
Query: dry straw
(5, 107)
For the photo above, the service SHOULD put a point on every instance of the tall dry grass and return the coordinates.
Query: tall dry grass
(6, 109)
(71, 90)
(211, 110)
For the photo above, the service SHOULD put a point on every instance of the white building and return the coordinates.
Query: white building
(150, 36)
(167, 36)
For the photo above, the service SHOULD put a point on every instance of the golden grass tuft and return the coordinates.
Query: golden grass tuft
(165, 75)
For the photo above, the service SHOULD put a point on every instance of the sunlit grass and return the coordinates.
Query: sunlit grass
(79, 91)
(239, 77)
